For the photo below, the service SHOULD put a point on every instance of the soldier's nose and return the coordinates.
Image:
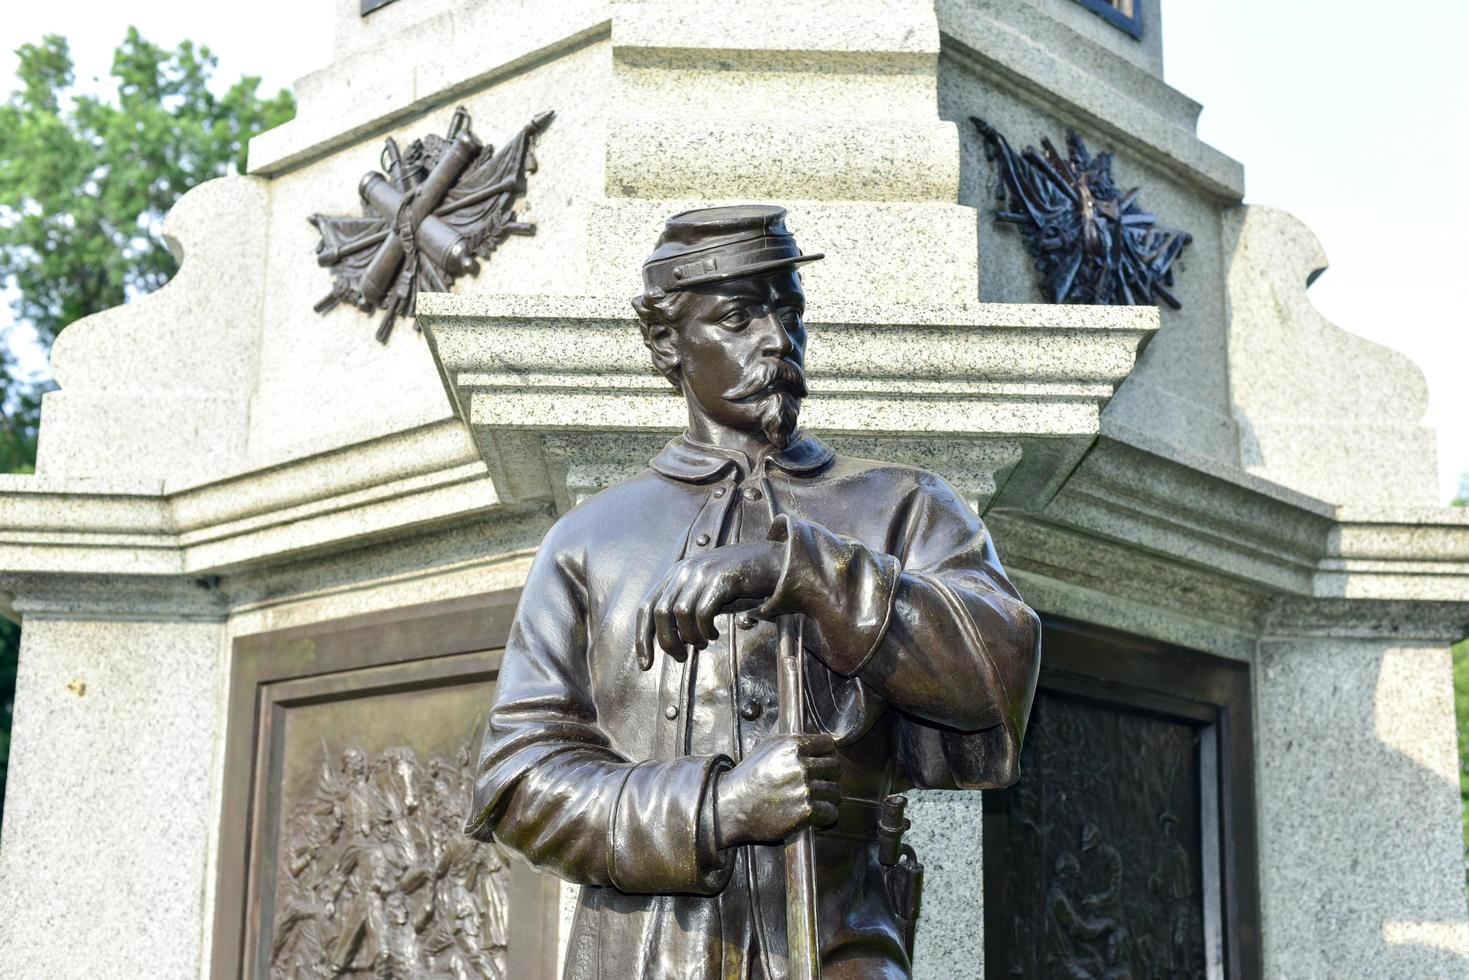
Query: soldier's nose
(778, 339)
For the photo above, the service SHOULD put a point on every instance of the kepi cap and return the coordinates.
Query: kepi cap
(718, 244)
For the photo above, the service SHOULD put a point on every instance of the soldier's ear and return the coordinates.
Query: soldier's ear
(658, 334)
(664, 348)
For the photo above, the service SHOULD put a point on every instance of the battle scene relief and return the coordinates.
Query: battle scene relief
(1103, 878)
(374, 877)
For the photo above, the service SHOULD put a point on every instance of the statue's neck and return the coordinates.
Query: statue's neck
(752, 443)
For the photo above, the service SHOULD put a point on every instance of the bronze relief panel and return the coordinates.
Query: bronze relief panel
(1108, 812)
(342, 850)
(372, 873)
(1126, 848)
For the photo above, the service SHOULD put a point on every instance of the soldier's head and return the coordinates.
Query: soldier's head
(354, 763)
(1068, 868)
(721, 313)
(1169, 824)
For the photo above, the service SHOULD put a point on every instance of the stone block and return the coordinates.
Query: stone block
(948, 837)
(786, 87)
(161, 384)
(105, 859)
(903, 253)
(1360, 856)
(781, 27)
(850, 161)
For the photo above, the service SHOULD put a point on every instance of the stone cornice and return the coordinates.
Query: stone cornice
(115, 597)
(1205, 518)
(369, 92)
(375, 490)
(1418, 553)
(1106, 565)
(1213, 545)
(1076, 515)
(1003, 400)
(1009, 393)
(1411, 621)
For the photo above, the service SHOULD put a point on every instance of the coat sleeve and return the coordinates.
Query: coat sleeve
(549, 784)
(932, 625)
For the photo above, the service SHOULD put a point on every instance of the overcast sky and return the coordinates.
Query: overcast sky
(1348, 113)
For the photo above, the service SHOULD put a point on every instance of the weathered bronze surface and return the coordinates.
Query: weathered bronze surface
(343, 797)
(1110, 807)
(443, 204)
(650, 737)
(1091, 242)
(1126, 848)
(374, 876)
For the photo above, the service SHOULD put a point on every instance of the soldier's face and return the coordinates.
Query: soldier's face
(741, 349)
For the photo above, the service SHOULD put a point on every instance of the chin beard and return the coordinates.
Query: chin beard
(778, 413)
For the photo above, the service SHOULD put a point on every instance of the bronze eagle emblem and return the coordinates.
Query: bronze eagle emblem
(439, 206)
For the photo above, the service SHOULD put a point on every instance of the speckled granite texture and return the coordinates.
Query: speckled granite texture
(280, 468)
(103, 872)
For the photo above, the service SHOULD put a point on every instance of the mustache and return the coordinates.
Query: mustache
(771, 374)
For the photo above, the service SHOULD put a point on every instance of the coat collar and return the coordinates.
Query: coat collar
(694, 462)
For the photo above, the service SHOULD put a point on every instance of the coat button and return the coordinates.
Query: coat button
(750, 709)
(701, 540)
(752, 493)
(745, 621)
(719, 492)
(671, 712)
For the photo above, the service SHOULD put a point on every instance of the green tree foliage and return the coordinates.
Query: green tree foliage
(85, 181)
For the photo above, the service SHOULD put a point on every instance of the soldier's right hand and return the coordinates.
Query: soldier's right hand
(787, 783)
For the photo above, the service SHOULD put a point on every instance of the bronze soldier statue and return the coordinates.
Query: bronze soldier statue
(636, 744)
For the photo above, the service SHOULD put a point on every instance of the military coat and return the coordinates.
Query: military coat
(922, 663)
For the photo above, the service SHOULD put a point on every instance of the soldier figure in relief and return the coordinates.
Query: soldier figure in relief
(632, 746)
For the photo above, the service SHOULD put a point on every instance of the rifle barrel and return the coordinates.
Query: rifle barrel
(803, 946)
(500, 187)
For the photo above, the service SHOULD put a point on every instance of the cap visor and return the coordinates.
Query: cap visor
(742, 272)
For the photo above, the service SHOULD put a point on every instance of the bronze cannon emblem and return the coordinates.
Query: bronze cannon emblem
(440, 206)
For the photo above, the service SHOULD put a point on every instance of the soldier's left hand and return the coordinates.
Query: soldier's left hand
(679, 611)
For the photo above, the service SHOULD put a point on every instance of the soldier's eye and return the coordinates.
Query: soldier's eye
(736, 319)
